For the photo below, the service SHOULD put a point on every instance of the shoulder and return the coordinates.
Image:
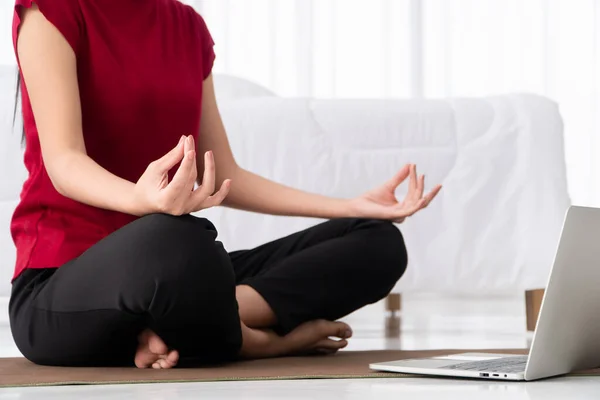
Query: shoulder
(182, 10)
(188, 15)
(64, 7)
(196, 33)
(65, 15)
(53, 10)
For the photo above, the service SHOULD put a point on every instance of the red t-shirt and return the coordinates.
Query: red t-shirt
(141, 66)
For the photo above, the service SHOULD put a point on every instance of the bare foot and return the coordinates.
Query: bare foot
(153, 352)
(314, 337)
(318, 337)
(260, 343)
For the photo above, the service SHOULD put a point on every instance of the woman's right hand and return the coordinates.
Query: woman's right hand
(155, 194)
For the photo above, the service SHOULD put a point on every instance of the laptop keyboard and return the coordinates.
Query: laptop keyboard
(504, 365)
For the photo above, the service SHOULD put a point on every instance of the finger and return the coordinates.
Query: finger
(408, 209)
(181, 181)
(199, 197)
(432, 195)
(421, 204)
(172, 158)
(399, 177)
(217, 198)
(189, 143)
(208, 179)
(193, 177)
(418, 202)
(407, 213)
(412, 187)
(420, 187)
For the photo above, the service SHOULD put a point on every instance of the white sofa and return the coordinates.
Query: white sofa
(493, 228)
(495, 225)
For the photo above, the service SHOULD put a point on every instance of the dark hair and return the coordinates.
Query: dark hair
(17, 96)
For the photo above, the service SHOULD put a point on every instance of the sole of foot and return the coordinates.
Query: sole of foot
(319, 337)
(152, 352)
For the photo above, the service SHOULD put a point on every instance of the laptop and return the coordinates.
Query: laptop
(567, 335)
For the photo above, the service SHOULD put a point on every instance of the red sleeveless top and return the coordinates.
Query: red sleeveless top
(141, 66)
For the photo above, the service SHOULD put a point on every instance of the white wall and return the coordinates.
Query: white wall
(6, 47)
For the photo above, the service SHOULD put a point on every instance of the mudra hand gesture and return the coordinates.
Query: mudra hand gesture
(381, 202)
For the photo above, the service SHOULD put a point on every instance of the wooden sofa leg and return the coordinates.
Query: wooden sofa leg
(533, 303)
(393, 306)
(393, 303)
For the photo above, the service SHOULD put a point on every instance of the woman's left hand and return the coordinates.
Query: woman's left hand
(381, 203)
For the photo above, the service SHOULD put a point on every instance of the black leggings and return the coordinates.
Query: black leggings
(170, 275)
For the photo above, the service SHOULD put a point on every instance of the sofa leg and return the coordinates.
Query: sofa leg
(393, 306)
(393, 303)
(533, 303)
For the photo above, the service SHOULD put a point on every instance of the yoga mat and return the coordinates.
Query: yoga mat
(18, 372)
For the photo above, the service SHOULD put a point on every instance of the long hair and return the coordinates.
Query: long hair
(16, 108)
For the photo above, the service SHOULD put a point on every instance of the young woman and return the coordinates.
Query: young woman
(121, 123)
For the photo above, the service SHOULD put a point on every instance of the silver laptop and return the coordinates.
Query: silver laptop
(567, 336)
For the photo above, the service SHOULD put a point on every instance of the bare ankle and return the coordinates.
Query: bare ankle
(254, 311)
(261, 343)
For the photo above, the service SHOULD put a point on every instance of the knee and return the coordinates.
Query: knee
(181, 249)
(388, 251)
(172, 228)
(395, 255)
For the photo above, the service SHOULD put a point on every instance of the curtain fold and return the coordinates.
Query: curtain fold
(417, 48)
(425, 48)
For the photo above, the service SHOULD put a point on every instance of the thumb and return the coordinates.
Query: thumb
(169, 160)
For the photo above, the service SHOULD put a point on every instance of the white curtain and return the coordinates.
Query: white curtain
(425, 48)
(6, 47)
(417, 48)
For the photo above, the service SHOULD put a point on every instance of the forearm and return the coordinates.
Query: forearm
(251, 192)
(76, 176)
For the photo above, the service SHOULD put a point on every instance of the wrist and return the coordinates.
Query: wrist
(134, 203)
(349, 209)
(331, 208)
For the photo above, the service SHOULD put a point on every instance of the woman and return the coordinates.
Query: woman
(121, 123)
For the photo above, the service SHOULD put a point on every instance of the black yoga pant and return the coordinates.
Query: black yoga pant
(169, 274)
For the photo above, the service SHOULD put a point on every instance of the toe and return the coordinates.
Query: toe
(336, 329)
(168, 360)
(150, 350)
(173, 357)
(329, 344)
(344, 330)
